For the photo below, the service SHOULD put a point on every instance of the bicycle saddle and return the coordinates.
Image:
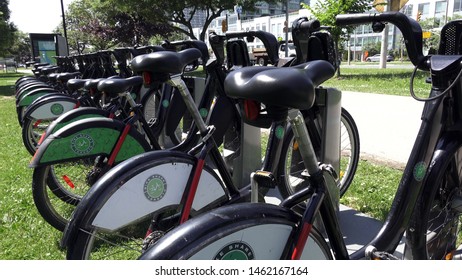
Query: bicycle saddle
(291, 87)
(64, 77)
(114, 86)
(45, 70)
(165, 62)
(92, 83)
(75, 84)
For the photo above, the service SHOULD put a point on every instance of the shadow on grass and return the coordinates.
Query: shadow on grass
(7, 81)
(7, 90)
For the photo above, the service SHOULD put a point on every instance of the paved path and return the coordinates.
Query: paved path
(387, 125)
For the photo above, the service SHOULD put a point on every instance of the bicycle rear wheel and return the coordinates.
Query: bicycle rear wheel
(58, 188)
(235, 232)
(32, 130)
(435, 227)
(137, 198)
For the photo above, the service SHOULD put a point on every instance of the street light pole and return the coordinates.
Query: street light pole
(64, 25)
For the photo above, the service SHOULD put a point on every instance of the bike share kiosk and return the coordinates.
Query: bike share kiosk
(47, 46)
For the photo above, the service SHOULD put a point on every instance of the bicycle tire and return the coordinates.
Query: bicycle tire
(54, 198)
(434, 230)
(70, 178)
(122, 238)
(290, 164)
(32, 130)
(235, 232)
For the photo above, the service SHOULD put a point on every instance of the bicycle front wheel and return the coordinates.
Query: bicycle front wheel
(435, 227)
(235, 232)
(291, 164)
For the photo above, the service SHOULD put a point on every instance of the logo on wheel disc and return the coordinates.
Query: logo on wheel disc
(82, 144)
(155, 187)
(57, 109)
(235, 251)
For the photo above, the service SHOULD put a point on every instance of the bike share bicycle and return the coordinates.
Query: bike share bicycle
(63, 171)
(142, 186)
(427, 204)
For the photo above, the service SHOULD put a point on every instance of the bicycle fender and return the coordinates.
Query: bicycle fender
(74, 115)
(446, 147)
(141, 186)
(224, 218)
(89, 137)
(50, 107)
(28, 98)
(20, 92)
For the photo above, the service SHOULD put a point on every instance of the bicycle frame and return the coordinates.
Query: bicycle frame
(436, 133)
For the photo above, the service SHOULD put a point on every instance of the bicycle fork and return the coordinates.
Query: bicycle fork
(323, 187)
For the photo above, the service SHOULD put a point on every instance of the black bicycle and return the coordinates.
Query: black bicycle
(176, 186)
(427, 204)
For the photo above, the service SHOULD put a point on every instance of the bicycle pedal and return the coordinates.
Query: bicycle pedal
(380, 255)
(265, 179)
(455, 255)
(151, 239)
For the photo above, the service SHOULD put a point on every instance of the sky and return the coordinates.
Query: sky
(37, 16)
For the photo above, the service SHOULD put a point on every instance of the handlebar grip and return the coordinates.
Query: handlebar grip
(411, 30)
(310, 26)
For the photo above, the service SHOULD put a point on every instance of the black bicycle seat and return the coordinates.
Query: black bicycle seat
(165, 62)
(76, 84)
(114, 86)
(64, 77)
(291, 87)
(92, 83)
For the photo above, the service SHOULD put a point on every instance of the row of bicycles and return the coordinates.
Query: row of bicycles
(147, 162)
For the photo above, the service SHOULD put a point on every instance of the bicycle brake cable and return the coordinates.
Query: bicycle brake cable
(411, 87)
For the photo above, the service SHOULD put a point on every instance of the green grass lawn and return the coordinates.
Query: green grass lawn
(24, 234)
(382, 81)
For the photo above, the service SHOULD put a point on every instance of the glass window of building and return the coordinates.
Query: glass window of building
(263, 26)
(457, 5)
(407, 10)
(440, 8)
(424, 8)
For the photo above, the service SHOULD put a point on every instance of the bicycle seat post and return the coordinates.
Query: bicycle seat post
(306, 147)
(178, 82)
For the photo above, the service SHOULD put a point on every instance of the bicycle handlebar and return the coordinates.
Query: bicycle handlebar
(411, 30)
(269, 41)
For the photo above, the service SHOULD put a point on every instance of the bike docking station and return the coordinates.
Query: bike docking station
(358, 228)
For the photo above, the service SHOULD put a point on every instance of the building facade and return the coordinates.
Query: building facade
(440, 11)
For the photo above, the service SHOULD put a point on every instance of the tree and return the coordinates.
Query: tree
(180, 13)
(103, 27)
(7, 29)
(326, 11)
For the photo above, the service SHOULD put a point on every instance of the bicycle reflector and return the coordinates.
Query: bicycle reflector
(147, 78)
(251, 109)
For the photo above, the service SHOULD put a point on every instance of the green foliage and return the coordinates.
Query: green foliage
(103, 26)
(7, 30)
(326, 11)
(180, 13)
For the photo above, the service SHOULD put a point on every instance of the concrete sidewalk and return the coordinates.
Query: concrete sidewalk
(387, 125)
